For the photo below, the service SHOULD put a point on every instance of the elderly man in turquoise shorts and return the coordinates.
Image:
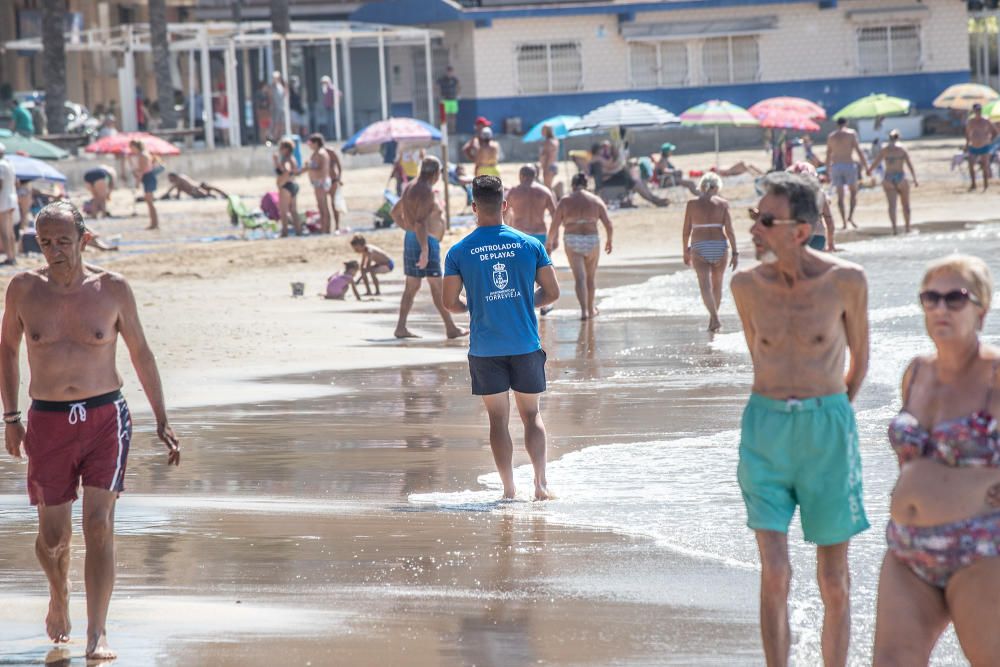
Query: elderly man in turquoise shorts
(801, 312)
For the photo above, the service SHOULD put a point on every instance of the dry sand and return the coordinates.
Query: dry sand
(297, 512)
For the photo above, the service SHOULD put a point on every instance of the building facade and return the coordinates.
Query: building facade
(530, 61)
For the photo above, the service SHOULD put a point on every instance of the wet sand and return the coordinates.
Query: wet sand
(288, 532)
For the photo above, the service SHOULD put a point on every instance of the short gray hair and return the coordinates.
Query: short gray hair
(430, 165)
(802, 194)
(62, 209)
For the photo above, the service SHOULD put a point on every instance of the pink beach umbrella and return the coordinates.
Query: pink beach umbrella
(786, 120)
(403, 130)
(794, 105)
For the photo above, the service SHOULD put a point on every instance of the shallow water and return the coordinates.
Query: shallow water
(681, 489)
(366, 522)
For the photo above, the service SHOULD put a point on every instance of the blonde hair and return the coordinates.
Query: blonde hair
(969, 268)
(710, 181)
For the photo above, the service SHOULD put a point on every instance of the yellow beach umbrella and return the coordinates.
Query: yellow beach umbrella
(962, 96)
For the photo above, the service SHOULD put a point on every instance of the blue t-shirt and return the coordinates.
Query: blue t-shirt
(497, 264)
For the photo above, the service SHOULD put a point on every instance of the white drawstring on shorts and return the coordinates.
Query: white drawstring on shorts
(77, 412)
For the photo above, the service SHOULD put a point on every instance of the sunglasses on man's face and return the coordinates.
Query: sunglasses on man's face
(953, 300)
(769, 220)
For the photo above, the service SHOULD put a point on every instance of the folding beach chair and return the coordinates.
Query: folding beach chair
(241, 217)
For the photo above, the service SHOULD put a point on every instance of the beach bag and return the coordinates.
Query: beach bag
(269, 204)
(339, 201)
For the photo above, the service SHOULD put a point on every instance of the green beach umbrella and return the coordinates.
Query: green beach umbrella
(873, 106)
(718, 113)
(36, 148)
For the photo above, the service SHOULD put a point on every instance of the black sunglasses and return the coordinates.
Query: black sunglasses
(769, 220)
(953, 300)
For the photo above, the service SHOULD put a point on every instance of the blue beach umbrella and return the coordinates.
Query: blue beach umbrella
(30, 169)
(560, 128)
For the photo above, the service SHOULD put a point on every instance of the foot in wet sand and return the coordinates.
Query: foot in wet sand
(546, 310)
(57, 623)
(508, 494)
(404, 333)
(458, 333)
(714, 326)
(98, 649)
(852, 223)
(542, 493)
(594, 313)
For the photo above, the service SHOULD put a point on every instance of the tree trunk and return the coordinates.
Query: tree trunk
(54, 62)
(161, 62)
(280, 21)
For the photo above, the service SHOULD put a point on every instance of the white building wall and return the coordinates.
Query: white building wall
(809, 43)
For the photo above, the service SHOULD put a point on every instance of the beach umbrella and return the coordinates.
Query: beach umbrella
(718, 113)
(30, 146)
(408, 130)
(793, 105)
(626, 113)
(785, 120)
(560, 128)
(30, 169)
(118, 144)
(873, 106)
(963, 96)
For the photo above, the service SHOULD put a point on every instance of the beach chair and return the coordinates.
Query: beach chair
(241, 217)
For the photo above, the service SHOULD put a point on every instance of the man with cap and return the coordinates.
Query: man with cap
(8, 206)
(472, 145)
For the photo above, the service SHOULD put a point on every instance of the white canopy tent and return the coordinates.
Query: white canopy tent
(226, 37)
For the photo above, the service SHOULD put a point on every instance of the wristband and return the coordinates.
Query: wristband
(12, 420)
(11, 414)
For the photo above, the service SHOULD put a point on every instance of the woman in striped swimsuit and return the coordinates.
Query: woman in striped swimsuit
(707, 225)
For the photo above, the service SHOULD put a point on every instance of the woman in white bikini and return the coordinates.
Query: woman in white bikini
(707, 226)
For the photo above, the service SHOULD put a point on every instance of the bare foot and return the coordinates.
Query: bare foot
(98, 649)
(714, 326)
(151, 228)
(542, 493)
(545, 311)
(458, 333)
(57, 623)
(508, 494)
(404, 333)
(853, 224)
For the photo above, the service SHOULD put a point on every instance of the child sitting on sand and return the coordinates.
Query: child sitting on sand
(337, 284)
(374, 260)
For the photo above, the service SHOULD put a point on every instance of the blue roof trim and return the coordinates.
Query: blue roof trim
(410, 12)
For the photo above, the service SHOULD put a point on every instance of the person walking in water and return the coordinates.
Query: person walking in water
(841, 147)
(707, 226)
(499, 267)
(79, 426)
(419, 214)
(579, 212)
(894, 182)
(802, 311)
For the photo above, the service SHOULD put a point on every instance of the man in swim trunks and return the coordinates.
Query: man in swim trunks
(79, 426)
(449, 88)
(548, 156)
(419, 214)
(980, 134)
(579, 211)
(527, 203)
(499, 267)
(801, 312)
(841, 146)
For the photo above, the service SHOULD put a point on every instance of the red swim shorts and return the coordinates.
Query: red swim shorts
(73, 441)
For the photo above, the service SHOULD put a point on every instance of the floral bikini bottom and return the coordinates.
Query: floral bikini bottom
(935, 553)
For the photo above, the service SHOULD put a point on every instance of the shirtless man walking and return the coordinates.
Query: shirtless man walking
(527, 203)
(841, 146)
(548, 156)
(579, 211)
(419, 214)
(79, 427)
(979, 136)
(801, 311)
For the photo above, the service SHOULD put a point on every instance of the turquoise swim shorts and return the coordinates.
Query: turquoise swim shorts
(805, 453)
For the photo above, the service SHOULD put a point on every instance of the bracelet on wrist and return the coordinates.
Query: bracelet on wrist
(11, 420)
(11, 414)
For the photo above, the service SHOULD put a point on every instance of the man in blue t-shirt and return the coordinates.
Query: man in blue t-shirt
(499, 266)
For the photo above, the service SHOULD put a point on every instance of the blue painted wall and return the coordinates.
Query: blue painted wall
(833, 94)
(401, 109)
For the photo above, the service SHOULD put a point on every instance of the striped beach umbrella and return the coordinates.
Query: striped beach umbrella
(963, 96)
(793, 105)
(718, 113)
(118, 144)
(786, 120)
(403, 130)
(626, 113)
(873, 106)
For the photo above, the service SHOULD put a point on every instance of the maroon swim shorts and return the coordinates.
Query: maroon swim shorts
(72, 441)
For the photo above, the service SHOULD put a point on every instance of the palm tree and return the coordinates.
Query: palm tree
(161, 62)
(280, 21)
(54, 62)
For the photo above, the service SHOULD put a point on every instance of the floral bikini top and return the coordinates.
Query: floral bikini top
(964, 442)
